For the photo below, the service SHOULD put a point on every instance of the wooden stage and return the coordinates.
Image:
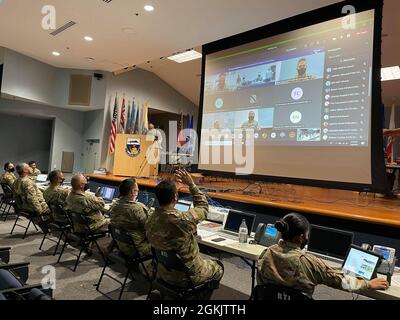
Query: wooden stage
(347, 205)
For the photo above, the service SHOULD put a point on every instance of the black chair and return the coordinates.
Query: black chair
(19, 270)
(172, 262)
(62, 226)
(277, 292)
(5, 254)
(7, 201)
(82, 239)
(129, 262)
(13, 288)
(23, 213)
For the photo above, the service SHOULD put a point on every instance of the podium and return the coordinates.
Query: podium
(133, 156)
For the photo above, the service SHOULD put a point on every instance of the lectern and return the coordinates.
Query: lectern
(135, 156)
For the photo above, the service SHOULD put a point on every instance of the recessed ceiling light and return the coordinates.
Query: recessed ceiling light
(88, 38)
(390, 73)
(128, 30)
(55, 53)
(149, 8)
(186, 56)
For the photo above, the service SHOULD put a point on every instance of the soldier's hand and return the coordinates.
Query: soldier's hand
(378, 284)
(182, 176)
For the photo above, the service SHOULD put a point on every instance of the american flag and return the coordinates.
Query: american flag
(122, 121)
(113, 133)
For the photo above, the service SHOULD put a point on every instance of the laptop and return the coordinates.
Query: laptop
(233, 222)
(330, 243)
(107, 194)
(183, 206)
(41, 178)
(361, 263)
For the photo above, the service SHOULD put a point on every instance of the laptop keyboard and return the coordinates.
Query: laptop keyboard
(228, 235)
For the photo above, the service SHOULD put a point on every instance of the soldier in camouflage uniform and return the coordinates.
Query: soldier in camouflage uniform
(8, 177)
(35, 170)
(131, 216)
(171, 230)
(29, 197)
(251, 123)
(91, 206)
(55, 194)
(287, 264)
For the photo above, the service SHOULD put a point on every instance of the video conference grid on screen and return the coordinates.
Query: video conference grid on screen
(311, 88)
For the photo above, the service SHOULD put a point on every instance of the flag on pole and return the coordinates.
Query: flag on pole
(122, 121)
(145, 127)
(133, 117)
(128, 121)
(137, 122)
(390, 141)
(181, 138)
(113, 133)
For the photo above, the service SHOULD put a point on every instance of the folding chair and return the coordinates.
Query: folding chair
(7, 201)
(172, 261)
(83, 239)
(12, 288)
(129, 262)
(23, 213)
(276, 292)
(5, 254)
(58, 225)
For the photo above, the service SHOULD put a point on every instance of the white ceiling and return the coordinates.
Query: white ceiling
(175, 25)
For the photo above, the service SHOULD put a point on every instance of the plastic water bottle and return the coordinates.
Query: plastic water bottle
(243, 232)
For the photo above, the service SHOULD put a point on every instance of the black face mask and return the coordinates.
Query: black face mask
(303, 245)
(86, 187)
(11, 170)
(62, 181)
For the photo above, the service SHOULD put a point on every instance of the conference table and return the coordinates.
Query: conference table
(332, 203)
(251, 252)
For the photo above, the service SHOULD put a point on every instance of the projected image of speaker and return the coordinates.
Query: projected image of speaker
(330, 242)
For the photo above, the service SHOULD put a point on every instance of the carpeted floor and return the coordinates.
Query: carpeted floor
(80, 285)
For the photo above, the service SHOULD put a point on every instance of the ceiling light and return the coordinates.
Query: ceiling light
(55, 53)
(149, 8)
(390, 73)
(87, 38)
(128, 30)
(185, 56)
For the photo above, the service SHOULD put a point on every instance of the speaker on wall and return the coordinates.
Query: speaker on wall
(80, 89)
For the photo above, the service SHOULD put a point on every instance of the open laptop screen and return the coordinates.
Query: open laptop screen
(107, 193)
(183, 207)
(361, 263)
(234, 220)
(330, 242)
(41, 178)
